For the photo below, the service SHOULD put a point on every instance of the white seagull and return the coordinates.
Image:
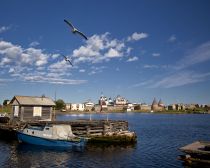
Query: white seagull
(67, 59)
(74, 30)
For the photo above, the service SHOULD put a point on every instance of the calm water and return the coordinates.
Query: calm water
(159, 137)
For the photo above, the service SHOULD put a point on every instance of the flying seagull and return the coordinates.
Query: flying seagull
(67, 59)
(74, 30)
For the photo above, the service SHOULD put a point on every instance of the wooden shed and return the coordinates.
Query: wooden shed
(29, 108)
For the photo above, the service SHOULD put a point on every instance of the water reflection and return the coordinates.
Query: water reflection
(4, 153)
(37, 156)
(25, 155)
(159, 137)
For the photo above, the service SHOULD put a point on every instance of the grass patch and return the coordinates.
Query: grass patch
(6, 109)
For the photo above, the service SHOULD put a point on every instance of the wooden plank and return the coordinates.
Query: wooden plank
(101, 131)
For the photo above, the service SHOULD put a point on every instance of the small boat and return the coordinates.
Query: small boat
(55, 135)
(197, 152)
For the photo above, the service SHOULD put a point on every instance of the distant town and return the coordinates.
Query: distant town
(120, 104)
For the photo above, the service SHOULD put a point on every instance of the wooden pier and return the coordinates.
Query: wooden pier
(197, 153)
(111, 131)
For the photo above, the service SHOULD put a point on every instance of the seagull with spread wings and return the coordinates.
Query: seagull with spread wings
(74, 30)
(67, 59)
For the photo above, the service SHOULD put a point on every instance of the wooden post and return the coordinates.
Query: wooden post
(88, 130)
(52, 114)
(105, 129)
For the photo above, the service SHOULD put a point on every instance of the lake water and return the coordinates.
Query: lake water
(159, 137)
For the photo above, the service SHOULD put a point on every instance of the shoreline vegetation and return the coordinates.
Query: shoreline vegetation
(8, 109)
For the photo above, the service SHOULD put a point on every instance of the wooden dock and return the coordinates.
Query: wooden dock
(111, 131)
(196, 153)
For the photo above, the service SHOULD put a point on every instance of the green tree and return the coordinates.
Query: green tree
(59, 104)
(5, 102)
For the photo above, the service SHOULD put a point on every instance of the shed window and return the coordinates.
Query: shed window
(37, 111)
(16, 111)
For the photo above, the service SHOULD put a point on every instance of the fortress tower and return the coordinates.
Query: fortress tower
(160, 103)
(157, 106)
(154, 105)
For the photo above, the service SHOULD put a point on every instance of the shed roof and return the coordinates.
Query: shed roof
(32, 100)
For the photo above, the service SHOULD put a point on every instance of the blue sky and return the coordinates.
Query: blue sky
(136, 49)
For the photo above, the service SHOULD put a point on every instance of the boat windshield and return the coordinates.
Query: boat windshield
(40, 128)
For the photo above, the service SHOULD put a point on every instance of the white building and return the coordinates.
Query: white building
(110, 102)
(68, 106)
(103, 101)
(130, 107)
(89, 106)
(77, 107)
(145, 107)
(120, 100)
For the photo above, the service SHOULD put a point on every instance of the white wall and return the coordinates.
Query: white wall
(77, 107)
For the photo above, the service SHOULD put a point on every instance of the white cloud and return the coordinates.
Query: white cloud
(53, 80)
(145, 83)
(97, 42)
(54, 56)
(82, 70)
(60, 66)
(92, 72)
(96, 70)
(180, 79)
(9, 50)
(180, 74)
(85, 52)
(4, 45)
(100, 48)
(120, 46)
(19, 55)
(93, 46)
(132, 59)
(175, 79)
(4, 61)
(33, 65)
(11, 70)
(137, 36)
(172, 38)
(112, 53)
(128, 50)
(37, 56)
(197, 55)
(150, 66)
(155, 54)
(4, 29)
(34, 44)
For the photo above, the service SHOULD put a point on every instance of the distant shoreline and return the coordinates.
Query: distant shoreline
(110, 112)
(58, 112)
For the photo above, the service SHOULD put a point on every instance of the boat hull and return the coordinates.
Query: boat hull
(4, 119)
(48, 142)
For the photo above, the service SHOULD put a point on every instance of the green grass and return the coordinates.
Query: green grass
(6, 109)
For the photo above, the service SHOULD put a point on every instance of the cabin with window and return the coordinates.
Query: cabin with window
(30, 108)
